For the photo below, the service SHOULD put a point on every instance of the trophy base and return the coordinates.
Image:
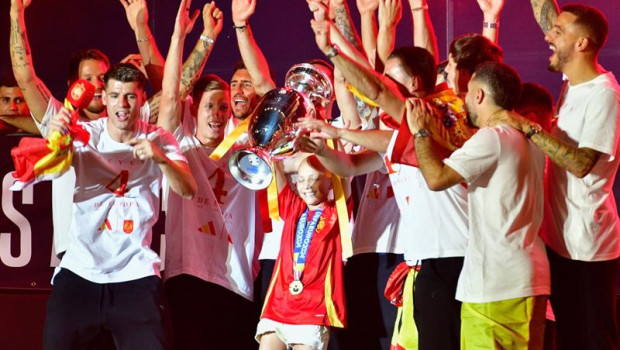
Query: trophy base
(250, 170)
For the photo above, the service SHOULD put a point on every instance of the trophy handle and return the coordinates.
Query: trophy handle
(251, 168)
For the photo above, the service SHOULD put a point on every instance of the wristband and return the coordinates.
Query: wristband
(240, 27)
(534, 129)
(424, 7)
(422, 133)
(207, 39)
(490, 25)
(143, 39)
(333, 52)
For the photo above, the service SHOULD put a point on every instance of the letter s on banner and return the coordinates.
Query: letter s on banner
(25, 230)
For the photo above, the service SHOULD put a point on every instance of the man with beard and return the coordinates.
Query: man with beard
(505, 279)
(583, 235)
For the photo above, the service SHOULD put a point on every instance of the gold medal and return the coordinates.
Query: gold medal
(295, 287)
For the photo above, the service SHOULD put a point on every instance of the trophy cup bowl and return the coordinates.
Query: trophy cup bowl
(312, 80)
(270, 135)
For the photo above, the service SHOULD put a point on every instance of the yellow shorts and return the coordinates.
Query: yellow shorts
(513, 324)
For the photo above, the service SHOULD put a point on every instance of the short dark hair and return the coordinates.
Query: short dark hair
(534, 94)
(418, 62)
(593, 21)
(208, 82)
(8, 80)
(240, 65)
(82, 55)
(503, 82)
(126, 73)
(470, 50)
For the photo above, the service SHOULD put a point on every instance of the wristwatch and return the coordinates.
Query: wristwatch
(421, 133)
(535, 128)
(333, 52)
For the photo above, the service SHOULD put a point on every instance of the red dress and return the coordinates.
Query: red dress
(322, 300)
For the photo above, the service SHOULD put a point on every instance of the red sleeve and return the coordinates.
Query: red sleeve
(288, 201)
(404, 147)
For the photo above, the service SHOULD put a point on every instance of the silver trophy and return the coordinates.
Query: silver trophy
(272, 123)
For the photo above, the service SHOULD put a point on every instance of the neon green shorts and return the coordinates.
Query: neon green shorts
(513, 324)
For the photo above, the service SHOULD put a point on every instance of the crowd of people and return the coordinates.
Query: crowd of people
(482, 212)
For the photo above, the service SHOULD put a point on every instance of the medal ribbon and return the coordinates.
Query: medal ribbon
(303, 236)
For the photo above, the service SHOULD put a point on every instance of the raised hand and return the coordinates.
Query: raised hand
(242, 10)
(390, 12)
(318, 8)
(491, 7)
(213, 19)
(321, 34)
(136, 12)
(18, 6)
(184, 23)
(304, 143)
(367, 6)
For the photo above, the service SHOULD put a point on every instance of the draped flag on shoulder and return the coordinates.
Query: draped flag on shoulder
(38, 159)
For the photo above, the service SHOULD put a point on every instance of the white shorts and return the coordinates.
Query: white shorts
(313, 336)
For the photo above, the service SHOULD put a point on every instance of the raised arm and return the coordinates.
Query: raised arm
(376, 87)
(35, 92)
(137, 17)
(491, 10)
(368, 25)
(545, 12)
(423, 31)
(192, 68)
(170, 105)
(253, 58)
(342, 19)
(390, 13)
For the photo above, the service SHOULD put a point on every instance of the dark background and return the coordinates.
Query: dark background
(56, 28)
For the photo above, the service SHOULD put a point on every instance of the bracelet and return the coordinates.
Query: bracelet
(423, 7)
(207, 39)
(144, 39)
(490, 25)
(335, 50)
(240, 27)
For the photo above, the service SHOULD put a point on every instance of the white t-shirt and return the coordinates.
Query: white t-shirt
(111, 233)
(377, 221)
(584, 219)
(213, 236)
(505, 257)
(436, 222)
(61, 202)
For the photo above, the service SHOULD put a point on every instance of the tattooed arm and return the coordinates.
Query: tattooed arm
(253, 58)
(213, 20)
(342, 19)
(35, 92)
(545, 12)
(578, 161)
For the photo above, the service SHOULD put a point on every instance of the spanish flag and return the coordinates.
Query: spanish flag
(38, 159)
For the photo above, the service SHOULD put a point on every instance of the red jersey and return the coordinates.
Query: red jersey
(322, 300)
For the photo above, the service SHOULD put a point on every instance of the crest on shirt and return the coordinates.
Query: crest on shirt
(321, 225)
(128, 226)
(207, 228)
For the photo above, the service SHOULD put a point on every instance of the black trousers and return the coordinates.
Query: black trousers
(208, 316)
(370, 316)
(436, 312)
(80, 311)
(583, 297)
